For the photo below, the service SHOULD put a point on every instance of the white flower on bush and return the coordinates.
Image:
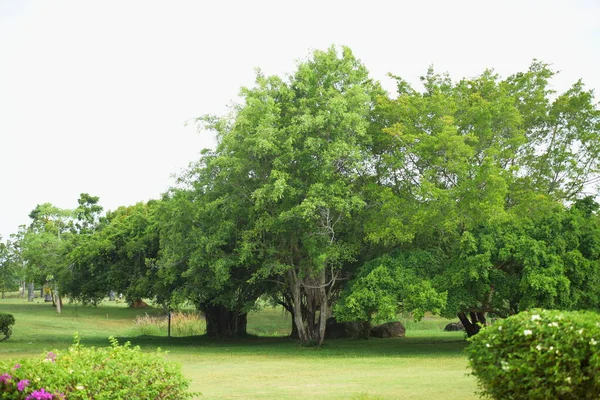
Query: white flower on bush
(505, 366)
(527, 332)
(535, 317)
(487, 345)
(593, 342)
(553, 324)
(539, 347)
(580, 331)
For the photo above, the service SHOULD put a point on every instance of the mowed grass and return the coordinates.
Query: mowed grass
(426, 364)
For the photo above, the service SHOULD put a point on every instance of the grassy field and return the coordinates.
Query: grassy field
(426, 364)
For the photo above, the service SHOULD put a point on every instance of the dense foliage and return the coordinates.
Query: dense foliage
(539, 354)
(470, 198)
(6, 323)
(115, 372)
(388, 285)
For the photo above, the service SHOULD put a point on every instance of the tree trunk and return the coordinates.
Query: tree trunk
(294, 332)
(23, 291)
(477, 317)
(472, 323)
(324, 311)
(297, 306)
(111, 295)
(56, 299)
(286, 303)
(30, 292)
(222, 322)
(311, 306)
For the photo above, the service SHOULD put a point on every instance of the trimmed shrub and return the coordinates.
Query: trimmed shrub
(115, 372)
(6, 323)
(539, 354)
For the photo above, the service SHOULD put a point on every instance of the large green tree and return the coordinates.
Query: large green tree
(287, 181)
(459, 158)
(548, 258)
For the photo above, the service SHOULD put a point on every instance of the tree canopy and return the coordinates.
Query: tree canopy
(332, 196)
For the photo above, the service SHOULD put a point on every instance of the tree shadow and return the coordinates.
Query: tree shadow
(434, 346)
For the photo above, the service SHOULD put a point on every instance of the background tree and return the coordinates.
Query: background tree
(15, 250)
(8, 272)
(45, 247)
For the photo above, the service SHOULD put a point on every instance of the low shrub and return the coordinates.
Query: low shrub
(115, 372)
(6, 323)
(540, 354)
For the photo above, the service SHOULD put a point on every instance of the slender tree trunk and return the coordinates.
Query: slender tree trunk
(294, 331)
(297, 306)
(290, 309)
(30, 292)
(323, 312)
(23, 291)
(111, 295)
(56, 300)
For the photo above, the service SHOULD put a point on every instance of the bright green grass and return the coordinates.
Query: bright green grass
(428, 363)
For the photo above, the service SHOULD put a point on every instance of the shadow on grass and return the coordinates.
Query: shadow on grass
(284, 346)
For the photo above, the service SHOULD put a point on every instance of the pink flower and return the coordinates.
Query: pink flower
(17, 366)
(4, 378)
(51, 356)
(40, 395)
(22, 385)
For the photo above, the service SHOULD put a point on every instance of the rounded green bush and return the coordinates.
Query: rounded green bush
(115, 372)
(539, 354)
(6, 323)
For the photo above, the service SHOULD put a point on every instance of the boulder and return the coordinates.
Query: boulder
(354, 330)
(454, 326)
(388, 330)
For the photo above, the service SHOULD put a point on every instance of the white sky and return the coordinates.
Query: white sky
(94, 94)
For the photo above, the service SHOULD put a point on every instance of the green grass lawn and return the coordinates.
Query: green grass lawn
(426, 364)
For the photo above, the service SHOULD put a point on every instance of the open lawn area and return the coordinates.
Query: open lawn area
(428, 363)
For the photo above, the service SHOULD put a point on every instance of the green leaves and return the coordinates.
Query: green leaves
(387, 286)
(539, 354)
(100, 373)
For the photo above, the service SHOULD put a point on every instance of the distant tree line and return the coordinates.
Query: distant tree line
(330, 196)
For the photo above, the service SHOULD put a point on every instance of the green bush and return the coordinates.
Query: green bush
(6, 323)
(115, 372)
(539, 355)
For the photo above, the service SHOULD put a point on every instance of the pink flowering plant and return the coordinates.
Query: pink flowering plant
(539, 354)
(94, 373)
